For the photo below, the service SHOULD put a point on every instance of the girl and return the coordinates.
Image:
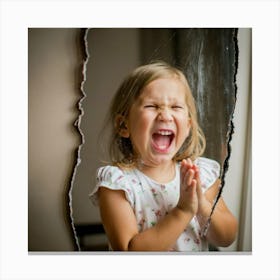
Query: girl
(158, 193)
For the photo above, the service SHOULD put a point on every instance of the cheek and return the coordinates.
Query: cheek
(140, 121)
(185, 128)
(139, 127)
(183, 118)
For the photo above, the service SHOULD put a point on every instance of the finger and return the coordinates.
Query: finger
(196, 173)
(189, 177)
(183, 171)
(186, 163)
(197, 178)
(189, 163)
(199, 191)
(185, 166)
(193, 187)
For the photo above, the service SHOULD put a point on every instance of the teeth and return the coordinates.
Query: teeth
(165, 132)
(162, 147)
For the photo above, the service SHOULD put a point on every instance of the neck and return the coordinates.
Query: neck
(162, 173)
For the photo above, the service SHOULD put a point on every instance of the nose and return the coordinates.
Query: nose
(165, 115)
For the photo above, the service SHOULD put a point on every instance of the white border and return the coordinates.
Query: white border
(17, 16)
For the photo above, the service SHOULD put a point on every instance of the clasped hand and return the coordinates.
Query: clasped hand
(192, 200)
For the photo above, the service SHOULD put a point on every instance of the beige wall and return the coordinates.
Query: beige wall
(53, 63)
(112, 54)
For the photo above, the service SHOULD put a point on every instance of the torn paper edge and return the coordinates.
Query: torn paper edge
(78, 122)
(231, 124)
(77, 125)
(228, 138)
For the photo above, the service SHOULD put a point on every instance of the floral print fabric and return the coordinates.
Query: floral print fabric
(151, 201)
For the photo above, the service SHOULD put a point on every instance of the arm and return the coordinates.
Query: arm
(223, 227)
(121, 226)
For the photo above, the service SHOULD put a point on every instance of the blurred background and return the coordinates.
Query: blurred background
(55, 56)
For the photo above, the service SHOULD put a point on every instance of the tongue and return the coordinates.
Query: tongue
(162, 141)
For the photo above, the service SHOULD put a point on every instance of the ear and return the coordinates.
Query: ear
(121, 126)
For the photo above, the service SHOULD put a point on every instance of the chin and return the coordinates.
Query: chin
(158, 160)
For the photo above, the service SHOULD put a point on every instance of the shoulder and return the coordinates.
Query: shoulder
(109, 174)
(209, 171)
(113, 178)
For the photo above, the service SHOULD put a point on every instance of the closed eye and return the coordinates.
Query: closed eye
(177, 107)
(150, 106)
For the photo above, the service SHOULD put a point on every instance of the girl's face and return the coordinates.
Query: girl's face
(158, 122)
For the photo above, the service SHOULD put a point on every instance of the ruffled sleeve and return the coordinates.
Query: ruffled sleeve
(113, 178)
(209, 171)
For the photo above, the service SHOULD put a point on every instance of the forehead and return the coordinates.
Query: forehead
(170, 88)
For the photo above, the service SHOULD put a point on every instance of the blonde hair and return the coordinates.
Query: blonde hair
(120, 148)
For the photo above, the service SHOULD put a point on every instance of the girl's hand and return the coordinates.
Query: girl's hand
(204, 206)
(188, 200)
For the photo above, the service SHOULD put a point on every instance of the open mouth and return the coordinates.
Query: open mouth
(162, 140)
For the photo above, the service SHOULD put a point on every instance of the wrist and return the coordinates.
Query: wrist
(204, 219)
(180, 211)
(205, 210)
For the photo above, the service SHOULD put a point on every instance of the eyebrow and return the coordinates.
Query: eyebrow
(142, 100)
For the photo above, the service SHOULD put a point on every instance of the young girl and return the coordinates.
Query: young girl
(158, 193)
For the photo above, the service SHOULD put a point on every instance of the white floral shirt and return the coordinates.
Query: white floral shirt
(151, 201)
